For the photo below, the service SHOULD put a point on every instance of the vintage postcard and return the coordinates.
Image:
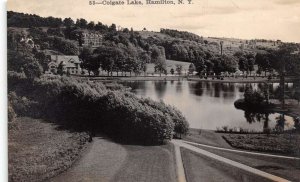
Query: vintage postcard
(153, 90)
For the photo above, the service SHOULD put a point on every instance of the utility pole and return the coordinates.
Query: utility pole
(221, 45)
(282, 85)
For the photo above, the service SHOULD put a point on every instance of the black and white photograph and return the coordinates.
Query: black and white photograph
(152, 90)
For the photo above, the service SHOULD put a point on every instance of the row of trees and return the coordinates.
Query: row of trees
(182, 34)
(122, 58)
(24, 20)
(246, 61)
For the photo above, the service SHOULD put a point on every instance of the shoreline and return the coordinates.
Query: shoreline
(180, 78)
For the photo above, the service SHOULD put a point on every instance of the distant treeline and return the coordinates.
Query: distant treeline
(182, 34)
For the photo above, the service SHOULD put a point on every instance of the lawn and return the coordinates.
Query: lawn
(38, 150)
(276, 143)
(170, 64)
(200, 168)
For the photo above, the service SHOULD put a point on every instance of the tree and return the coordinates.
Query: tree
(160, 65)
(69, 48)
(192, 68)
(243, 64)
(158, 57)
(82, 23)
(33, 70)
(91, 25)
(172, 71)
(60, 68)
(113, 28)
(87, 60)
(42, 59)
(229, 63)
(68, 22)
(199, 65)
(179, 69)
(285, 61)
(251, 62)
(263, 62)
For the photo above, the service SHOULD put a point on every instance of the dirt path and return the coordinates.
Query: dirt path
(102, 161)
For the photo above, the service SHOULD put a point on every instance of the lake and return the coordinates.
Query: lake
(207, 105)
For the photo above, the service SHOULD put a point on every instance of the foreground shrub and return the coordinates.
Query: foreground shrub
(23, 106)
(181, 126)
(126, 116)
(11, 117)
(90, 106)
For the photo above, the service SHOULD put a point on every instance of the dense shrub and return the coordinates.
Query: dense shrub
(23, 106)
(181, 124)
(89, 105)
(116, 86)
(253, 97)
(11, 117)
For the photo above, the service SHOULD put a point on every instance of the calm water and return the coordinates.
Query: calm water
(206, 105)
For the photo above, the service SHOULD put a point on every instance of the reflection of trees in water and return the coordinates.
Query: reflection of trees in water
(196, 88)
(172, 82)
(217, 88)
(160, 88)
(179, 87)
(290, 91)
(228, 90)
(280, 122)
(253, 117)
(137, 85)
(241, 88)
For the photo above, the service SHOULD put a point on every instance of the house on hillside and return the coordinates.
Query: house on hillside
(67, 64)
(91, 39)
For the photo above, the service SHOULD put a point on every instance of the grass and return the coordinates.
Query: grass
(170, 64)
(201, 168)
(207, 137)
(38, 150)
(285, 168)
(284, 143)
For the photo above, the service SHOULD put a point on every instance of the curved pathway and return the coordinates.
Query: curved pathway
(103, 159)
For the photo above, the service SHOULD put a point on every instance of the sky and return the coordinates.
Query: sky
(246, 19)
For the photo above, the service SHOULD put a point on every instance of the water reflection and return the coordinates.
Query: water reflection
(209, 105)
(196, 88)
(160, 88)
(179, 86)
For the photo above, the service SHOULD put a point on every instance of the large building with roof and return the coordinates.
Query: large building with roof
(69, 64)
(92, 39)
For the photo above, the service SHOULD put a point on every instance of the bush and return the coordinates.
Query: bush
(181, 126)
(23, 106)
(90, 106)
(11, 117)
(253, 97)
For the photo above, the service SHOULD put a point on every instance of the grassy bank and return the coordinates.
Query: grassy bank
(39, 150)
(284, 143)
(201, 168)
(207, 137)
